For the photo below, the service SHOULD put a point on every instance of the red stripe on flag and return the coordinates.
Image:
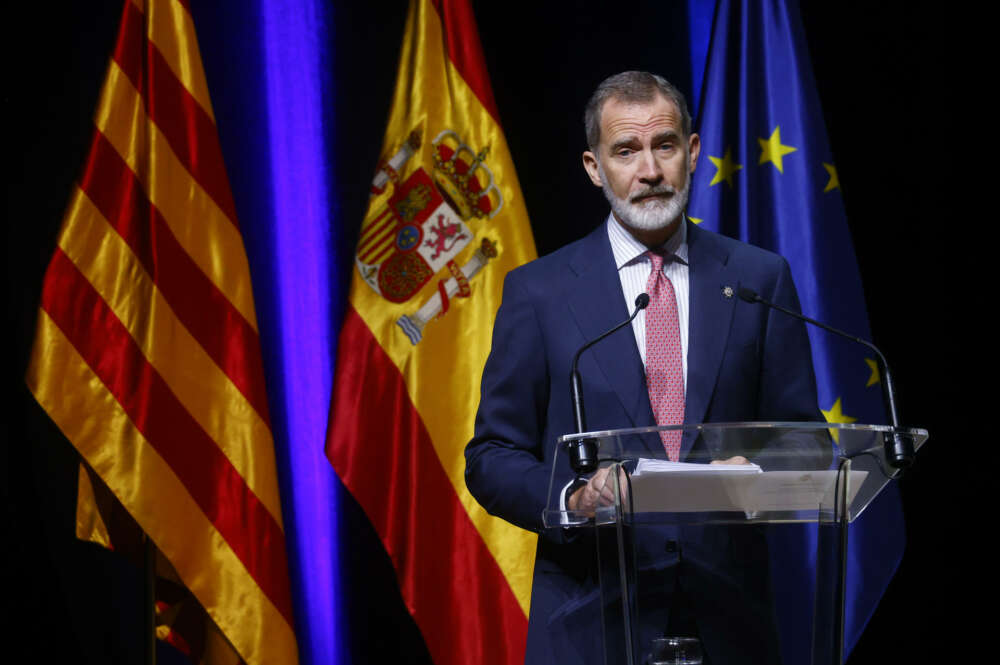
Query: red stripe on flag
(188, 129)
(461, 38)
(203, 309)
(214, 484)
(375, 240)
(378, 226)
(371, 254)
(450, 581)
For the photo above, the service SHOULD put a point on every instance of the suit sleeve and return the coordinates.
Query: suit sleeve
(505, 461)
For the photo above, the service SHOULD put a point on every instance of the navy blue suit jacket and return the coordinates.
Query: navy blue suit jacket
(745, 363)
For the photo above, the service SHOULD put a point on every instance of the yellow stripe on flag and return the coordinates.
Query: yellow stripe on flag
(202, 388)
(214, 242)
(157, 499)
(171, 30)
(89, 523)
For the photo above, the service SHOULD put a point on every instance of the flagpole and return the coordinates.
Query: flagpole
(149, 600)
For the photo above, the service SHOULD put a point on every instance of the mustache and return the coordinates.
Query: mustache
(656, 190)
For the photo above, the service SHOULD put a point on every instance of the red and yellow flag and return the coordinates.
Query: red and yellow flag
(147, 354)
(445, 222)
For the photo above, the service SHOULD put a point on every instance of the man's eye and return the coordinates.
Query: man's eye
(667, 147)
(624, 152)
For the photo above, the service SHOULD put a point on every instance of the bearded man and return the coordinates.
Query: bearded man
(696, 354)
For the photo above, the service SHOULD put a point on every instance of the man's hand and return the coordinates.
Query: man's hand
(598, 491)
(738, 459)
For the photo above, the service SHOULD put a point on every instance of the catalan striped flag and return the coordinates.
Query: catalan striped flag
(445, 222)
(147, 354)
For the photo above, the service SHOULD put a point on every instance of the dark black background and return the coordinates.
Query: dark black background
(885, 73)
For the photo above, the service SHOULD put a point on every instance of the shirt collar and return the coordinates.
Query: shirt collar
(627, 249)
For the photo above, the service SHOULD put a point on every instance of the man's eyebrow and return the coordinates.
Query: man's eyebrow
(624, 142)
(628, 141)
(670, 134)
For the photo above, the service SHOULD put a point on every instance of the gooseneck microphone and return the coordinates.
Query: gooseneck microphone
(583, 452)
(898, 448)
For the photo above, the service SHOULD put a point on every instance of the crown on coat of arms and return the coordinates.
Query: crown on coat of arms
(463, 177)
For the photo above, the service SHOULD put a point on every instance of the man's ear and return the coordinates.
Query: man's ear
(590, 166)
(694, 149)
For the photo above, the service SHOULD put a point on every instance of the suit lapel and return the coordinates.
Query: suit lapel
(711, 313)
(597, 305)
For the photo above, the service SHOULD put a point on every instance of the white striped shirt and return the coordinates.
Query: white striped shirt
(633, 270)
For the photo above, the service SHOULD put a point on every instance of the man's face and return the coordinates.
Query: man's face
(643, 164)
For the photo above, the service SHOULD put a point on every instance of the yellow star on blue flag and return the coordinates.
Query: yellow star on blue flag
(836, 415)
(834, 181)
(772, 150)
(875, 376)
(725, 168)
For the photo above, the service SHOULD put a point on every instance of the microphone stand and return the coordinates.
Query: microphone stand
(898, 448)
(583, 452)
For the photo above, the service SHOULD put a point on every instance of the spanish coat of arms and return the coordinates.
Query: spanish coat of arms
(421, 227)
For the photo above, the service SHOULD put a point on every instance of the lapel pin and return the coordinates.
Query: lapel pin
(727, 291)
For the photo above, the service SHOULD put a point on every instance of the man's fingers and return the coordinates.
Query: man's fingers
(597, 492)
(737, 459)
(605, 494)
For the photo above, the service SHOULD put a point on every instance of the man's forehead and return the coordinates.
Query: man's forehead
(657, 116)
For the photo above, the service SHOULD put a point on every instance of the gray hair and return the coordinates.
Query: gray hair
(631, 88)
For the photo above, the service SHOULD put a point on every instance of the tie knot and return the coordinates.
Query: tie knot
(656, 258)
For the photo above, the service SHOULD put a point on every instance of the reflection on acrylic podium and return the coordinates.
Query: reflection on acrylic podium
(696, 531)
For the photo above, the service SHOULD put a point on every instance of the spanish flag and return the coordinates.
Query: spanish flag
(445, 222)
(147, 355)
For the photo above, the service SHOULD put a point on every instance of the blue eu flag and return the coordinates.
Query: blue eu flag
(766, 176)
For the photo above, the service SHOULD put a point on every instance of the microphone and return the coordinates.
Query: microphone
(583, 452)
(898, 448)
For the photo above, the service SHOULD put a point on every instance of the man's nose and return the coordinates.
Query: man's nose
(649, 168)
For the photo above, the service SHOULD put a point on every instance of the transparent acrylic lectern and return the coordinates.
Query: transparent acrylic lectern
(694, 523)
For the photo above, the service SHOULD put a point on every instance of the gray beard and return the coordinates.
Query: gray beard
(652, 214)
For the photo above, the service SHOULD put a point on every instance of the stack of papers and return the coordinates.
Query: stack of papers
(655, 466)
(664, 486)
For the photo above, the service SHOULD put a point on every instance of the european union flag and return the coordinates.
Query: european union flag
(766, 175)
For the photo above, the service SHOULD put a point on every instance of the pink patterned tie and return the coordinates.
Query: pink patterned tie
(664, 364)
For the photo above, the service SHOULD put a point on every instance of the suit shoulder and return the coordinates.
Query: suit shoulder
(742, 253)
(555, 270)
